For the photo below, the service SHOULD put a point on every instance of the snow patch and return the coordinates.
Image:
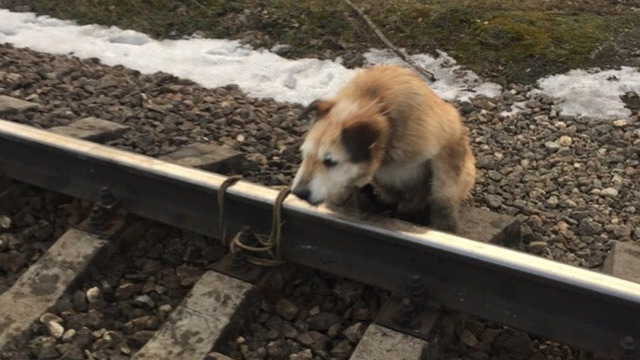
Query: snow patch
(218, 62)
(592, 93)
(264, 74)
(452, 81)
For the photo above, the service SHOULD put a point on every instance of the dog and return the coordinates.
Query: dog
(386, 128)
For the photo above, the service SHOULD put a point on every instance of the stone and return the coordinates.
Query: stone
(354, 332)
(83, 337)
(552, 201)
(92, 129)
(79, 301)
(335, 330)
(485, 104)
(10, 105)
(69, 335)
(144, 301)
(44, 348)
(288, 331)
(141, 338)
(305, 354)
(164, 310)
(518, 344)
(69, 351)
(55, 329)
(588, 227)
(217, 356)
(552, 145)
(278, 349)
(342, 350)
(468, 338)
(314, 340)
(127, 290)
(621, 122)
(281, 49)
(565, 141)
(361, 314)
(93, 295)
(609, 192)
(623, 261)
(323, 321)
(47, 317)
(5, 222)
(287, 309)
(494, 201)
(537, 246)
(211, 157)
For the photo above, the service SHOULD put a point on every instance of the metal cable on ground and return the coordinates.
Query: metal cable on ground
(222, 225)
(269, 245)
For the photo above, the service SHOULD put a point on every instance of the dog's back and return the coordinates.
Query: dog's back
(421, 125)
(420, 121)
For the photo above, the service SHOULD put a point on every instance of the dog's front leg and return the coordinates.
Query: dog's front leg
(414, 207)
(446, 187)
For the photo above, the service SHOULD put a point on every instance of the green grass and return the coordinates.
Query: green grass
(508, 41)
(513, 42)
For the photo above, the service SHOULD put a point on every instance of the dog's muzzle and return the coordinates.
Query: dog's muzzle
(303, 193)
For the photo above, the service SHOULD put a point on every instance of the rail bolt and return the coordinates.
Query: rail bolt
(106, 196)
(97, 217)
(417, 292)
(628, 345)
(405, 313)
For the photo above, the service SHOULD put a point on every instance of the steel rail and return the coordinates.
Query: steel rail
(571, 305)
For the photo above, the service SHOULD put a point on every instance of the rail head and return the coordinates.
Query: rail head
(573, 305)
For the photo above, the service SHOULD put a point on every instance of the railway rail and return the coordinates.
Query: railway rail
(425, 269)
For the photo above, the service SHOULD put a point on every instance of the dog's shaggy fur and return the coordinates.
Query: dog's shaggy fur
(387, 128)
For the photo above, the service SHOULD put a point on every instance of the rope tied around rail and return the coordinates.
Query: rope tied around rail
(247, 240)
(222, 224)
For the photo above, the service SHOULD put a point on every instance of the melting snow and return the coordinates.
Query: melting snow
(218, 62)
(593, 93)
(261, 73)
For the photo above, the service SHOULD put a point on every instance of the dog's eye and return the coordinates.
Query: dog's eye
(329, 163)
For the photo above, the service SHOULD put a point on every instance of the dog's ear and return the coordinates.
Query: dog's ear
(320, 107)
(359, 138)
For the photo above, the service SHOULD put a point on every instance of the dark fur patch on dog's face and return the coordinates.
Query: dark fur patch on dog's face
(341, 151)
(358, 139)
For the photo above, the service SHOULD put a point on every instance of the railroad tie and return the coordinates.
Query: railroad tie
(204, 317)
(44, 282)
(382, 343)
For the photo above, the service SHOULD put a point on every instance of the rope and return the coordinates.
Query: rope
(267, 245)
(222, 225)
(270, 245)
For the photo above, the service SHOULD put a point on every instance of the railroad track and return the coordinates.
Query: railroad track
(421, 273)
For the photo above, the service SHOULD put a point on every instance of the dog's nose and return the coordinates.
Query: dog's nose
(302, 193)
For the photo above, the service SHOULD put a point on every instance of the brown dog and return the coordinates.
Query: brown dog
(387, 128)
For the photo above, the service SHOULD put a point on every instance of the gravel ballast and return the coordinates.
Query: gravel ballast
(30, 221)
(572, 181)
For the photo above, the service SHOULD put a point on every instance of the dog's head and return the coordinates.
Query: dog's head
(342, 150)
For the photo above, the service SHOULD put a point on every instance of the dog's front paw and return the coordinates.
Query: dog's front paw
(444, 223)
(443, 217)
(419, 217)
